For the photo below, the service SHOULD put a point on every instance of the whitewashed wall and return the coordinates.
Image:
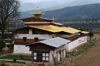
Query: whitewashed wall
(40, 36)
(76, 43)
(56, 54)
(32, 36)
(21, 49)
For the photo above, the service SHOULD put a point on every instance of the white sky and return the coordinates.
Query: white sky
(32, 1)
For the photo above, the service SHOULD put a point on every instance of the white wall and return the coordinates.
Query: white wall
(40, 36)
(65, 35)
(76, 43)
(22, 49)
(32, 36)
(56, 54)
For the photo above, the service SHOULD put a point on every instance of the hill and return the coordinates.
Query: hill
(49, 5)
(44, 5)
(75, 13)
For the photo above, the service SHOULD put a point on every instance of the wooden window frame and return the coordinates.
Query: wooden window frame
(34, 56)
(45, 57)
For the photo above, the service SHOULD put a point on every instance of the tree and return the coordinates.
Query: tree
(92, 19)
(91, 34)
(8, 12)
(2, 44)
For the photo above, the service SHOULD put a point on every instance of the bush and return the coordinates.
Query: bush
(14, 60)
(2, 44)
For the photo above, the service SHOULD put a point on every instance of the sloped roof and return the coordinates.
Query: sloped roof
(35, 19)
(37, 13)
(85, 32)
(55, 42)
(57, 23)
(55, 29)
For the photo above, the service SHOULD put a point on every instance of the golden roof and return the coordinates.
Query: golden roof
(55, 22)
(55, 29)
(85, 32)
(37, 12)
(58, 23)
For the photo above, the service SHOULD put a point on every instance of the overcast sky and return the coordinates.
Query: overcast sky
(35, 1)
(32, 1)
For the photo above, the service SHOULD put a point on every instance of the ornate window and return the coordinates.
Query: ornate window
(34, 54)
(45, 56)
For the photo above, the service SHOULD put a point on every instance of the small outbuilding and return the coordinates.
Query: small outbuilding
(51, 50)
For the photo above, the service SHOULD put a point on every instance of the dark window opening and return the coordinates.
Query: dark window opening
(36, 39)
(24, 39)
(52, 36)
(33, 31)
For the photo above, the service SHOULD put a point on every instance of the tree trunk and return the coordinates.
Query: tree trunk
(3, 30)
(90, 39)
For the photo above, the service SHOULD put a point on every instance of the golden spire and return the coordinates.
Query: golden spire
(79, 28)
(37, 13)
(53, 20)
(37, 9)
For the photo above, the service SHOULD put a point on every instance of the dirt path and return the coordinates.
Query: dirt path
(89, 58)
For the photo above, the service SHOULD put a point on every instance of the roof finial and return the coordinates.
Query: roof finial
(37, 9)
(37, 13)
(79, 28)
(53, 20)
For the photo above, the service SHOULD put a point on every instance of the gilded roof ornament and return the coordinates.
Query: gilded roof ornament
(37, 12)
(79, 28)
(37, 9)
(53, 20)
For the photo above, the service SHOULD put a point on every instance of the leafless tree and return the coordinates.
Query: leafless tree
(9, 10)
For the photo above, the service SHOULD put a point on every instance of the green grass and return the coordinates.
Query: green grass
(85, 49)
(15, 62)
(17, 57)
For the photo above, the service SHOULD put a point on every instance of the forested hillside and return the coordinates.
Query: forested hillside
(87, 26)
(76, 13)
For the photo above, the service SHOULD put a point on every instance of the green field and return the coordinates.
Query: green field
(17, 57)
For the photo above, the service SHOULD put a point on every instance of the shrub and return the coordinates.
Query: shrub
(91, 34)
(2, 44)
(14, 60)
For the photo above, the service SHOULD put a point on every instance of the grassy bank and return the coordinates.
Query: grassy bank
(15, 62)
(17, 57)
(82, 49)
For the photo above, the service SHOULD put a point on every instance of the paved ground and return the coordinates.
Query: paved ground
(89, 58)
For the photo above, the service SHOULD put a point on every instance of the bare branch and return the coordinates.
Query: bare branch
(8, 12)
